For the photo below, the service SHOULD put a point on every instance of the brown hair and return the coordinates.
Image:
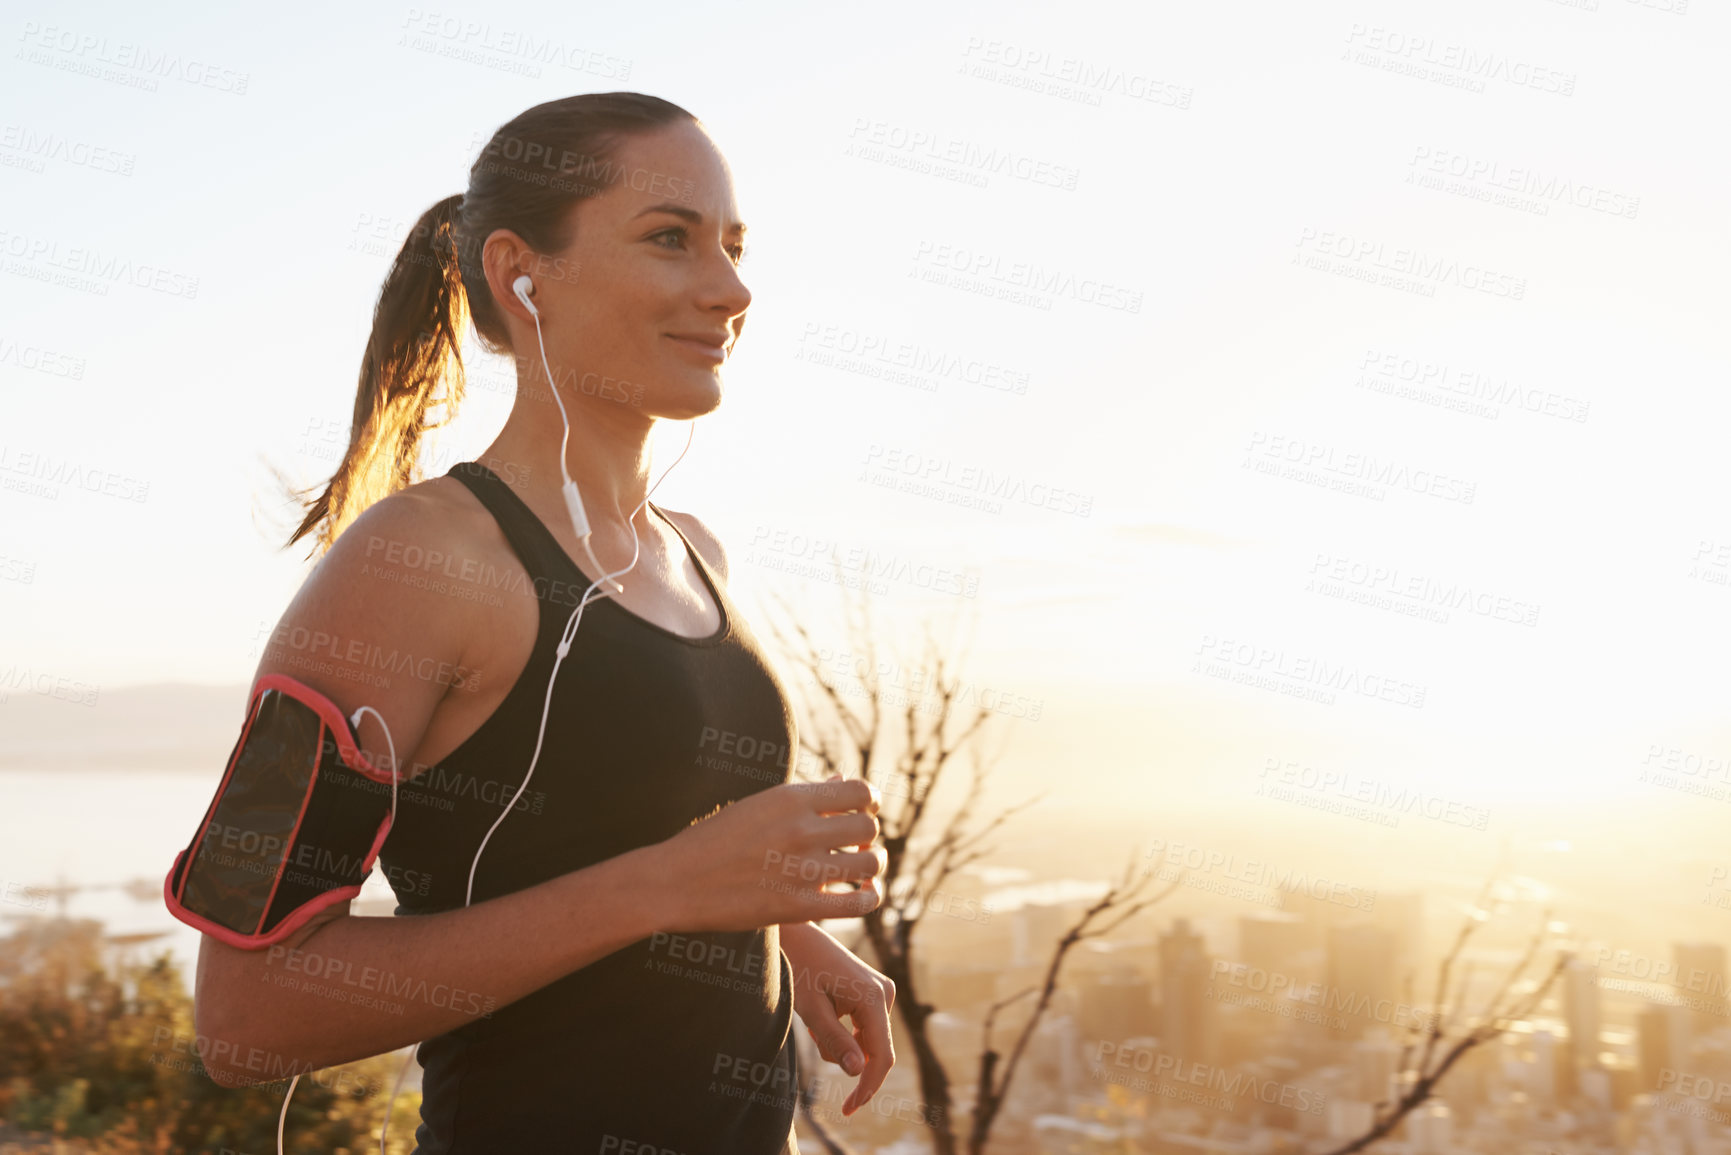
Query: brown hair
(535, 168)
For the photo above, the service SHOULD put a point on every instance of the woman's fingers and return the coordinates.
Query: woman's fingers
(872, 1031)
(834, 1041)
(858, 865)
(845, 904)
(848, 830)
(839, 795)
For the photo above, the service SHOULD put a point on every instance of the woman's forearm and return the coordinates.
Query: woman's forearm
(356, 987)
(809, 948)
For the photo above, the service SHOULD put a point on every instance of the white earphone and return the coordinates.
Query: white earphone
(523, 286)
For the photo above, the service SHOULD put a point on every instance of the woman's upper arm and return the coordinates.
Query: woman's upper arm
(360, 634)
(369, 628)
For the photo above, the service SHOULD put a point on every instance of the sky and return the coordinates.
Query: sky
(1257, 355)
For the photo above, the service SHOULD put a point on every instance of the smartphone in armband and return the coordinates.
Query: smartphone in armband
(297, 821)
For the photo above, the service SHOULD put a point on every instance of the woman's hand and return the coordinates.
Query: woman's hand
(830, 981)
(772, 857)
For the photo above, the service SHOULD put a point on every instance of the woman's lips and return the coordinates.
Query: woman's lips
(706, 349)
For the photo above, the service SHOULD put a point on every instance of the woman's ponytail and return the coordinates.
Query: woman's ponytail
(415, 346)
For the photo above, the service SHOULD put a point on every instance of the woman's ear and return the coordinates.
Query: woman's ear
(505, 256)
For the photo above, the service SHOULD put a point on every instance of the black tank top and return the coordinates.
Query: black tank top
(680, 1041)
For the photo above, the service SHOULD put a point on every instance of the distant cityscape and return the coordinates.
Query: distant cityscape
(1275, 1032)
(1283, 1040)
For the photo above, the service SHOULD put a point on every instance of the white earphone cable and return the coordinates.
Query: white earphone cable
(564, 648)
(396, 776)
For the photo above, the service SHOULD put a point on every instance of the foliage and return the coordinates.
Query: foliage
(106, 1052)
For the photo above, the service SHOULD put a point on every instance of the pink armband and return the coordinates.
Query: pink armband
(295, 825)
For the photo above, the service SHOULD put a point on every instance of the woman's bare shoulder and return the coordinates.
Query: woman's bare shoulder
(382, 582)
(439, 513)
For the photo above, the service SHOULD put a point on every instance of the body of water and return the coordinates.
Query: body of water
(100, 830)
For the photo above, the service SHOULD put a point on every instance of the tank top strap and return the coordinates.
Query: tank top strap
(537, 548)
(708, 574)
(534, 544)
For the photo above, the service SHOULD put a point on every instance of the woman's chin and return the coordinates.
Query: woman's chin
(683, 404)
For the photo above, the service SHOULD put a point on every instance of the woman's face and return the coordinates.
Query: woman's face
(639, 311)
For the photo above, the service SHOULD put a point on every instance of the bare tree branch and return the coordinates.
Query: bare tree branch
(936, 724)
(1490, 1024)
(993, 1090)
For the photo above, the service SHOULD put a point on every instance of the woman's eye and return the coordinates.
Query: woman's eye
(737, 252)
